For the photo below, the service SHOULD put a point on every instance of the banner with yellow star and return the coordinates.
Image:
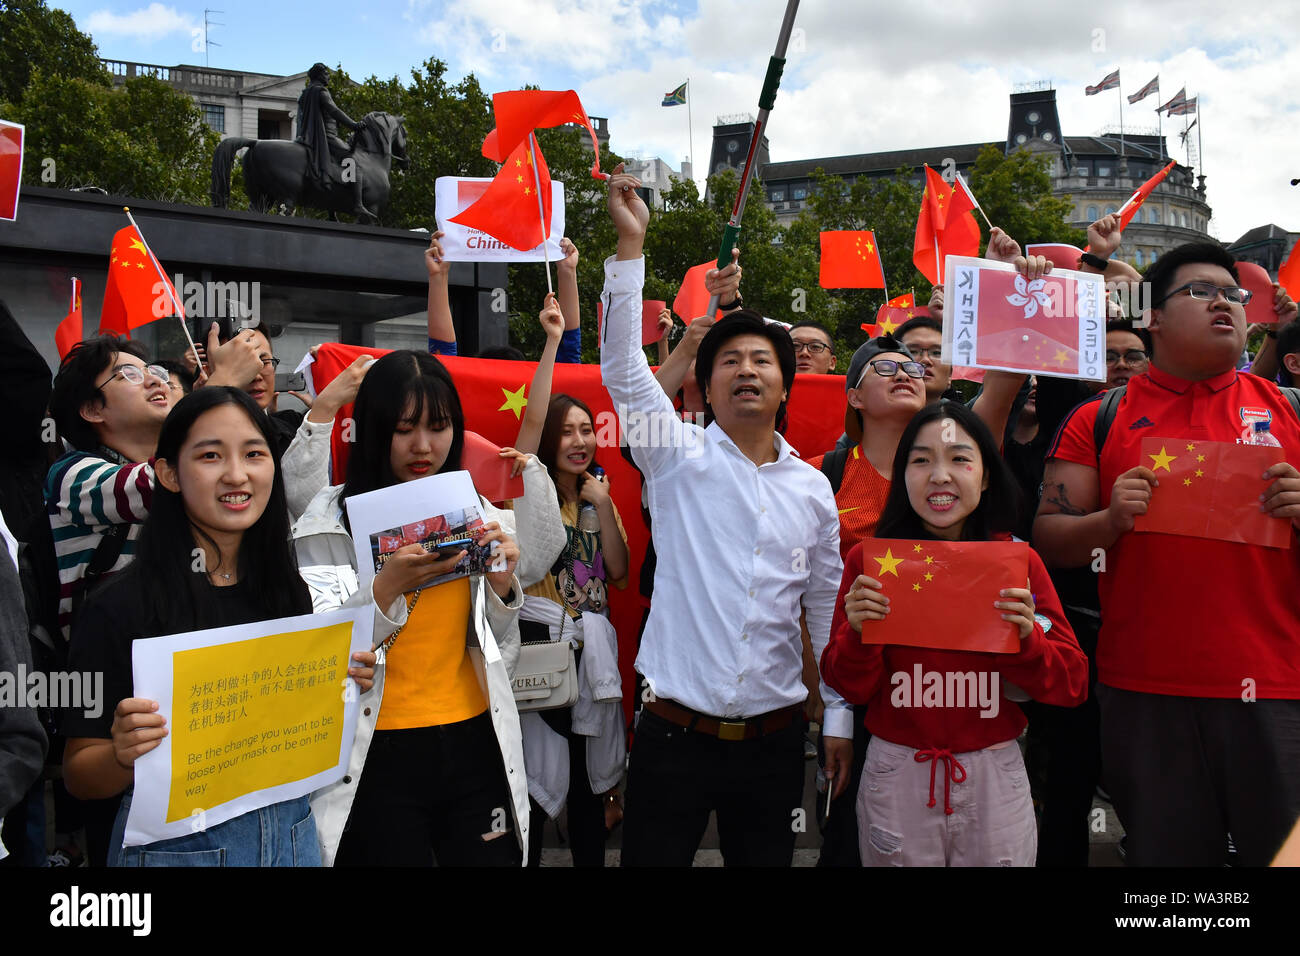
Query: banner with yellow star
(1211, 489)
(851, 260)
(941, 593)
(138, 291)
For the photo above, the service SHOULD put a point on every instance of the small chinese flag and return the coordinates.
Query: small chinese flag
(488, 470)
(693, 298)
(519, 112)
(890, 317)
(941, 593)
(904, 301)
(650, 309)
(851, 260)
(508, 208)
(69, 331)
(1211, 489)
(1260, 308)
(11, 168)
(1130, 208)
(946, 226)
(135, 295)
(1062, 255)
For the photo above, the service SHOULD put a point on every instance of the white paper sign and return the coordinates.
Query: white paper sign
(454, 194)
(257, 714)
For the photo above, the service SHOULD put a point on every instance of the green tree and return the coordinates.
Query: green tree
(1015, 192)
(34, 37)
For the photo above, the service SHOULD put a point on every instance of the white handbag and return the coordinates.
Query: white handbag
(546, 676)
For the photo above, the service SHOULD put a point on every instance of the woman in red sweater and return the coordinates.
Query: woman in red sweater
(950, 483)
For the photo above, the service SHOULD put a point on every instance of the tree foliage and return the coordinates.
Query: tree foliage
(34, 37)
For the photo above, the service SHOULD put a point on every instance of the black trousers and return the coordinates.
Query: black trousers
(1187, 771)
(432, 793)
(1064, 752)
(678, 777)
(584, 810)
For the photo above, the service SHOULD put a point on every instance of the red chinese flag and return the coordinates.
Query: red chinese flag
(890, 317)
(650, 309)
(941, 593)
(851, 260)
(508, 210)
(904, 301)
(692, 298)
(1211, 489)
(1027, 326)
(1138, 198)
(945, 226)
(69, 332)
(1062, 255)
(134, 295)
(1255, 278)
(519, 112)
(489, 471)
(11, 168)
(1289, 274)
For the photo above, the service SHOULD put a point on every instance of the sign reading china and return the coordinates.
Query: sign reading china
(454, 194)
(996, 319)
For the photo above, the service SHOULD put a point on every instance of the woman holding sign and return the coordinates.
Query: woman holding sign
(933, 705)
(214, 552)
(437, 768)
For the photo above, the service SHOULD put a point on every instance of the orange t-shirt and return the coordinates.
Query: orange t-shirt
(860, 500)
(429, 678)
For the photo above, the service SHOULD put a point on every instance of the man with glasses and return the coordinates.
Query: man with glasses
(1128, 350)
(923, 337)
(1200, 698)
(814, 350)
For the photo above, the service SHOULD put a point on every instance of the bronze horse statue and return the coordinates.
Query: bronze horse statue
(275, 170)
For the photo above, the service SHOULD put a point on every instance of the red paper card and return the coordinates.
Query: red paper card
(693, 298)
(1211, 489)
(1260, 307)
(650, 309)
(1062, 255)
(11, 168)
(941, 593)
(490, 472)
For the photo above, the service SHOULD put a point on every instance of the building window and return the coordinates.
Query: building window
(1083, 169)
(1032, 116)
(1110, 210)
(1021, 139)
(799, 192)
(777, 195)
(214, 115)
(1155, 218)
(1154, 256)
(1047, 136)
(1141, 259)
(1092, 214)
(1183, 219)
(1103, 170)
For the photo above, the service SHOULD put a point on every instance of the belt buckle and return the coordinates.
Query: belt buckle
(731, 730)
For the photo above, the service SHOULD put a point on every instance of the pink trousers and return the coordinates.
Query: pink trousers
(992, 819)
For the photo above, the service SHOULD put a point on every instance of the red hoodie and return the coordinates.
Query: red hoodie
(906, 700)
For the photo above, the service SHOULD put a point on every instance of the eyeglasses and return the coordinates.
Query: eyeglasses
(814, 348)
(273, 362)
(1131, 357)
(887, 368)
(1208, 292)
(935, 353)
(134, 374)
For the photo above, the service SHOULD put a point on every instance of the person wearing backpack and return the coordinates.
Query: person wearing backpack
(1198, 695)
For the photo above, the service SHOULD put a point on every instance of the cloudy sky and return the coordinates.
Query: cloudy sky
(860, 78)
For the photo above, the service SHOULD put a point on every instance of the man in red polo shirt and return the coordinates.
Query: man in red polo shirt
(1199, 653)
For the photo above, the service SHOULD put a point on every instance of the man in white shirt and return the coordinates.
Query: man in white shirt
(746, 534)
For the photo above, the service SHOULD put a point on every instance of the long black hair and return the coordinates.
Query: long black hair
(548, 446)
(394, 382)
(999, 504)
(163, 573)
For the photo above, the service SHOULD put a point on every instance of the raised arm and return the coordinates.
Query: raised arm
(539, 393)
(566, 276)
(93, 491)
(442, 331)
(993, 403)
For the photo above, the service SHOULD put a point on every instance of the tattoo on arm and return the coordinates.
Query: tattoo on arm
(1061, 500)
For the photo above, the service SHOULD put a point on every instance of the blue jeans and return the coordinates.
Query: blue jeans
(283, 834)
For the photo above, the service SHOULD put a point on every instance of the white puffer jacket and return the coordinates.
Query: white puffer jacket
(326, 561)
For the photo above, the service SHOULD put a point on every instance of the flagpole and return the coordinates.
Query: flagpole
(970, 192)
(690, 128)
(1200, 128)
(1123, 161)
(881, 259)
(766, 99)
(167, 287)
(1160, 126)
(541, 212)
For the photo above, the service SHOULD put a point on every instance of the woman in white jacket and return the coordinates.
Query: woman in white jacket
(437, 771)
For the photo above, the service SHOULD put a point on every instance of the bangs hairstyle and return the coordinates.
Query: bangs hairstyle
(74, 385)
(396, 381)
(163, 574)
(548, 447)
(733, 325)
(1000, 504)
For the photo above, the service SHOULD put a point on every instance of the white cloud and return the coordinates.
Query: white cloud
(866, 77)
(147, 24)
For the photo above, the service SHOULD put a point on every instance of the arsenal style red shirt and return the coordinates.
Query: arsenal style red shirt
(1192, 616)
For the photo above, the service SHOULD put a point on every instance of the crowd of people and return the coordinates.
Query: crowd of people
(179, 499)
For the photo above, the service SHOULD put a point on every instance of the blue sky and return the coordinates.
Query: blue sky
(860, 78)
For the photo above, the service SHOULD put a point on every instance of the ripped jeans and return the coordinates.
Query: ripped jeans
(283, 834)
(903, 804)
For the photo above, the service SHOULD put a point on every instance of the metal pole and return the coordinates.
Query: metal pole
(541, 212)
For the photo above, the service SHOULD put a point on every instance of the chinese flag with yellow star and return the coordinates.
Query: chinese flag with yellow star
(1130, 208)
(1211, 489)
(135, 295)
(904, 301)
(941, 593)
(851, 260)
(519, 112)
(946, 226)
(890, 317)
(508, 209)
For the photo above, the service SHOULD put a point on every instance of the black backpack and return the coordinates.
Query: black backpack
(833, 463)
(1110, 406)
